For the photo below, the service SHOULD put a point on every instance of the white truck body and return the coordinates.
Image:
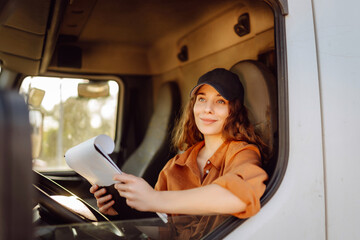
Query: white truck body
(319, 195)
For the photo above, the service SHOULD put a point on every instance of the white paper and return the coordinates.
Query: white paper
(163, 216)
(90, 159)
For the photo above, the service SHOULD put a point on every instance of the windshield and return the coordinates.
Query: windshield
(65, 112)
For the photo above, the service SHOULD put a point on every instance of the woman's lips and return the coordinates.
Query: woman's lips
(207, 120)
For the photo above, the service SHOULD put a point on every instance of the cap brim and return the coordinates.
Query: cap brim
(193, 91)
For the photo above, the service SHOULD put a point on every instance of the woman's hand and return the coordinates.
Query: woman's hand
(138, 193)
(103, 202)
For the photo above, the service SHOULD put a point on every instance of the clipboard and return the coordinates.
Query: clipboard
(90, 159)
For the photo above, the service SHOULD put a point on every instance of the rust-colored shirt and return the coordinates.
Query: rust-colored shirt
(235, 166)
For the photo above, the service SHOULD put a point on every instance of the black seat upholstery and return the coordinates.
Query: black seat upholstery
(155, 150)
(261, 101)
(15, 168)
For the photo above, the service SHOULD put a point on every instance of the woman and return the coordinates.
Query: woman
(219, 172)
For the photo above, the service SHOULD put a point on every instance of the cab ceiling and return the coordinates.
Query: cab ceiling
(33, 30)
(135, 22)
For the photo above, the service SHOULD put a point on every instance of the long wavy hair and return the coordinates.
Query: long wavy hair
(237, 127)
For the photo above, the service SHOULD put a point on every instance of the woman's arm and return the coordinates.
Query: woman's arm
(210, 199)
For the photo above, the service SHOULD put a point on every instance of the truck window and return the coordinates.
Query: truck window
(64, 112)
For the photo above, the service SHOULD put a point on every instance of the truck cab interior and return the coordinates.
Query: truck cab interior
(74, 69)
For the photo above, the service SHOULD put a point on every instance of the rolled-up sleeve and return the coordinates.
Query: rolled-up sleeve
(243, 176)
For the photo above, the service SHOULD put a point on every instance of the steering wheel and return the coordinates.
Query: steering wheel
(57, 205)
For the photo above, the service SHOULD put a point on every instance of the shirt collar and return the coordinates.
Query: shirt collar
(217, 158)
(191, 154)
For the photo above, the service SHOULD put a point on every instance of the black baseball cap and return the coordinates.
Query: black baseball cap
(224, 81)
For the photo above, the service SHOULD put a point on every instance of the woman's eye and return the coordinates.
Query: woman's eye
(221, 101)
(201, 99)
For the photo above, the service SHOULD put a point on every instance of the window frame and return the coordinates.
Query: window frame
(280, 10)
(119, 111)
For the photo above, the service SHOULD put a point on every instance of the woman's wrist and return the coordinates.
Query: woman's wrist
(156, 202)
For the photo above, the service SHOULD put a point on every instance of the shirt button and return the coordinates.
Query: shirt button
(208, 162)
(207, 171)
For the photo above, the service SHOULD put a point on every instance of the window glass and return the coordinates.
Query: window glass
(65, 112)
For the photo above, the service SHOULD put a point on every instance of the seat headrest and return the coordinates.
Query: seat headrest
(260, 97)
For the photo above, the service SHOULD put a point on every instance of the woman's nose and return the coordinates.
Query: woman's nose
(209, 107)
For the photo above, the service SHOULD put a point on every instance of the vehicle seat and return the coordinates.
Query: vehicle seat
(155, 149)
(15, 168)
(261, 102)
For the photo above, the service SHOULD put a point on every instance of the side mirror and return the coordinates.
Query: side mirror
(35, 97)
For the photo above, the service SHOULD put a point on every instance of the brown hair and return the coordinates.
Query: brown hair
(237, 127)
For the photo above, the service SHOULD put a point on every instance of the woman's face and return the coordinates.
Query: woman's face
(210, 111)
